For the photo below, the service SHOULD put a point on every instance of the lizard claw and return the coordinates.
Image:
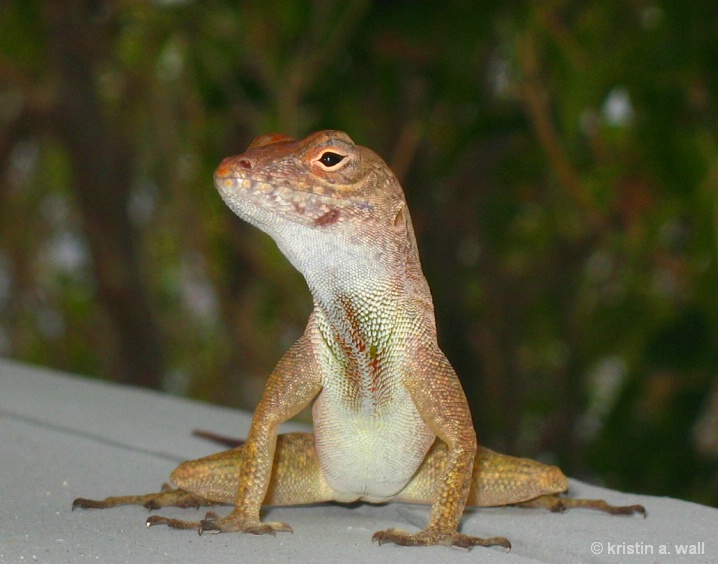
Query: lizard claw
(433, 536)
(209, 524)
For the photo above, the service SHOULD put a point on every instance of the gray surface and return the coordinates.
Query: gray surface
(63, 437)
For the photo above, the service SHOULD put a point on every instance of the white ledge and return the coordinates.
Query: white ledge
(63, 437)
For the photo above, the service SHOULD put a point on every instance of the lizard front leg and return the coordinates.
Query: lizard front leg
(293, 384)
(440, 400)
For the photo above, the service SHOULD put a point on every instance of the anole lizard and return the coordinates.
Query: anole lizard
(391, 422)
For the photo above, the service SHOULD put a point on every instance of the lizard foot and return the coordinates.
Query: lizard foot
(212, 523)
(557, 504)
(429, 537)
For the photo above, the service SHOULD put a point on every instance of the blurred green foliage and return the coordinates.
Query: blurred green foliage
(560, 159)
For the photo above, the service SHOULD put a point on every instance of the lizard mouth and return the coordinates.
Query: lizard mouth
(282, 192)
(287, 199)
(228, 180)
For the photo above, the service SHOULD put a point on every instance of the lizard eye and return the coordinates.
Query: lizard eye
(330, 159)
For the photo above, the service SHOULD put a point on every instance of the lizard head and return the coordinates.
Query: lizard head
(329, 204)
(320, 181)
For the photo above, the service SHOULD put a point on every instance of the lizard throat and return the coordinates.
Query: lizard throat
(363, 349)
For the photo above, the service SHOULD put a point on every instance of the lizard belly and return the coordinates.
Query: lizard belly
(366, 455)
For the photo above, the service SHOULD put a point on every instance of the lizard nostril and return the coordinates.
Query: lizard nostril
(245, 163)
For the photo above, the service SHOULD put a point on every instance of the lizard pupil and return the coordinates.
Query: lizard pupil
(331, 159)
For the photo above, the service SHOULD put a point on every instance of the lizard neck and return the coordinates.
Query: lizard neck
(358, 274)
(363, 289)
(362, 281)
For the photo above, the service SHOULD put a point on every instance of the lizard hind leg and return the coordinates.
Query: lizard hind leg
(557, 504)
(431, 536)
(168, 497)
(212, 523)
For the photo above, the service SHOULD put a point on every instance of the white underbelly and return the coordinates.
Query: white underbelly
(369, 456)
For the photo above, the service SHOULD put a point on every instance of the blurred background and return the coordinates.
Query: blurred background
(560, 159)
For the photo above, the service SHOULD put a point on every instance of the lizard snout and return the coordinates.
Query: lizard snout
(228, 168)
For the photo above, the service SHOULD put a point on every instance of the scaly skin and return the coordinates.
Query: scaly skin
(391, 421)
